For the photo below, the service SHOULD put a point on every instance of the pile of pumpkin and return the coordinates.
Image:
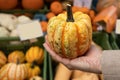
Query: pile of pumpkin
(57, 7)
(17, 4)
(20, 66)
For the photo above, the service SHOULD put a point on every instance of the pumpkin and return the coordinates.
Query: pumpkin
(3, 59)
(13, 71)
(15, 56)
(49, 1)
(102, 4)
(36, 78)
(70, 35)
(8, 4)
(56, 7)
(35, 54)
(33, 70)
(32, 4)
(44, 25)
(50, 15)
(75, 9)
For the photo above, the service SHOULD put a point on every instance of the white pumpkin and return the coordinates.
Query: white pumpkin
(23, 19)
(4, 32)
(8, 20)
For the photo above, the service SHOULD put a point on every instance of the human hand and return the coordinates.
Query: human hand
(89, 62)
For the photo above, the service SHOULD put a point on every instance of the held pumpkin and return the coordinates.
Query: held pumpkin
(35, 54)
(3, 59)
(70, 37)
(33, 70)
(15, 56)
(13, 71)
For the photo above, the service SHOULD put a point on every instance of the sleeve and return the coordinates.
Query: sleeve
(111, 64)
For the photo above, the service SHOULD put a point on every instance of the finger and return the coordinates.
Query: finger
(46, 40)
(50, 51)
(54, 55)
(45, 36)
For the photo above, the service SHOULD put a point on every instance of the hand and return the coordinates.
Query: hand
(90, 62)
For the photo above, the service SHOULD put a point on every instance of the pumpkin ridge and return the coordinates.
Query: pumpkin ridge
(8, 71)
(53, 35)
(29, 54)
(15, 72)
(62, 42)
(53, 39)
(89, 35)
(20, 72)
(24, 69)
(40, 54)
(1, 63)
(33, 55)
(1, 57)
(78, 43)
(4, 73)
(12, 71)
(88, 38)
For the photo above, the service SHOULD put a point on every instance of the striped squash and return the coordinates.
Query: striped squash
(70, 35)
(3, 59)
(13, 71)
(16, 56)
(35, 54)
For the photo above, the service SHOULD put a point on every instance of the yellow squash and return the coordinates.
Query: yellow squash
(16, 56)
(35, 54)
(33, 70)
(3, 59)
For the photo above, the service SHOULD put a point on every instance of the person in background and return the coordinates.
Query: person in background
(82, 3)
(95, 60)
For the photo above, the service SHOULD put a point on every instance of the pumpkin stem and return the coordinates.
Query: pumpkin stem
(18, 62)
(33, 64)
(33, 78)
(69, 14)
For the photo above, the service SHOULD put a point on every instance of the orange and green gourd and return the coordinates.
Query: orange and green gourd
(70, 35)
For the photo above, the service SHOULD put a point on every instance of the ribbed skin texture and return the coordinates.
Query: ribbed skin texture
(12, 71)
(70, 39)
(35, 54)
(16, 56)
(33, 71)
(3, 59)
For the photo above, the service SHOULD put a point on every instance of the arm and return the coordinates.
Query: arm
(108, 64)
(110, 61)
